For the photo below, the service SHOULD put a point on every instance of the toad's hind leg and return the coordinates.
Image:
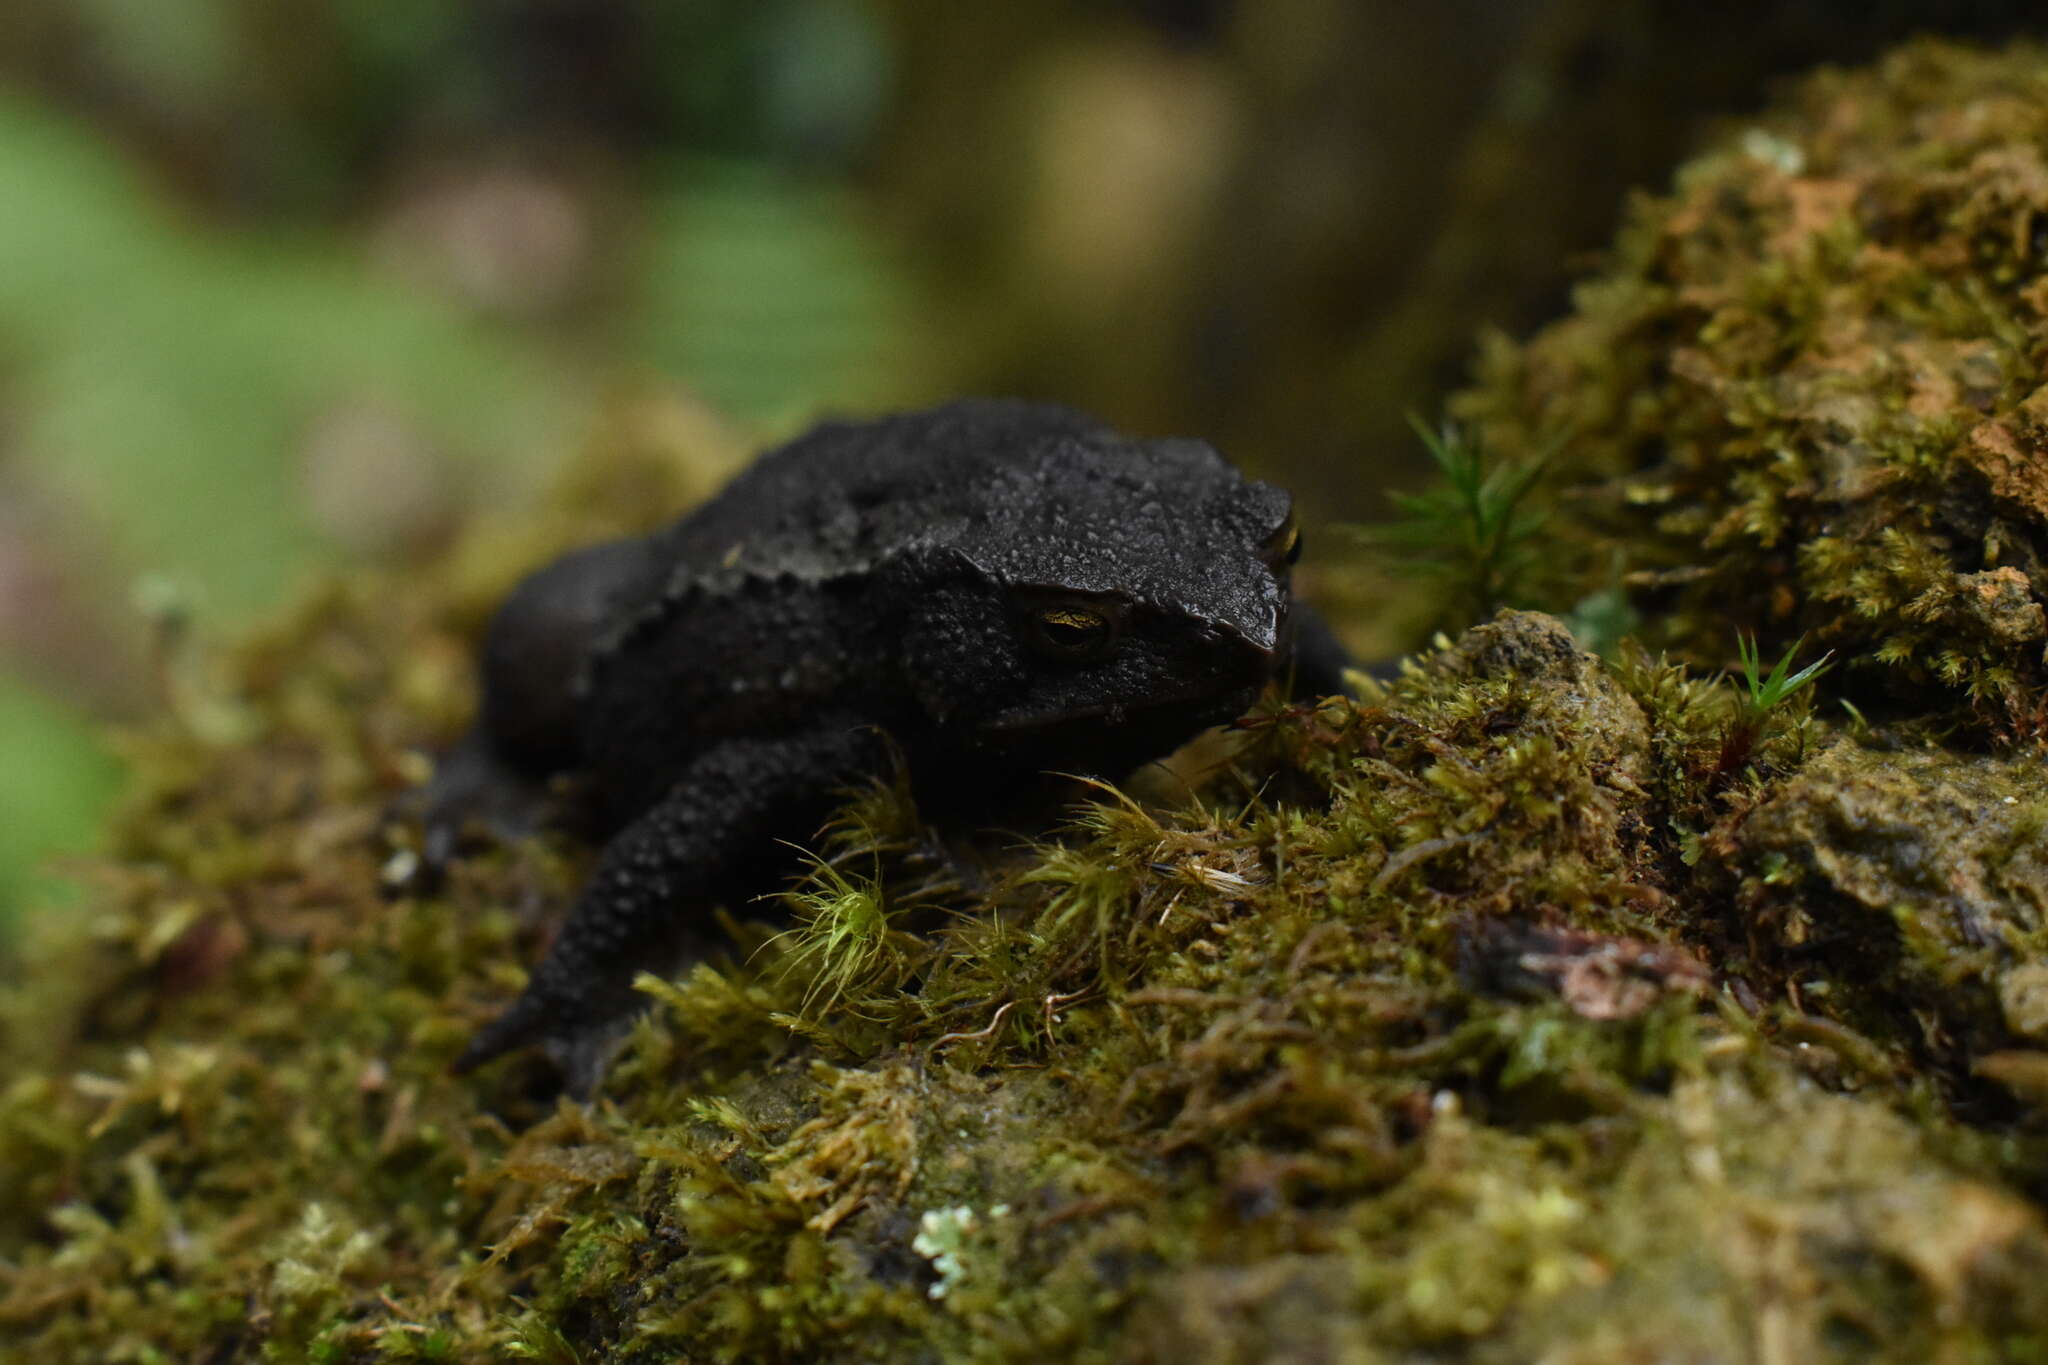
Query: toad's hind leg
(640, 909)
(526, 727)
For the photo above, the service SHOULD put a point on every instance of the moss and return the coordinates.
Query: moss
(1804, 395)
(1397, 1033)
(1500, 1015)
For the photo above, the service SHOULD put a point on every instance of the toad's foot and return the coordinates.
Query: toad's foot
(472, 791)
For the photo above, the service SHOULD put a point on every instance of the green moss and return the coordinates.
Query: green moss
(1497, 1016)
(1804, 395)
(1394, 1035)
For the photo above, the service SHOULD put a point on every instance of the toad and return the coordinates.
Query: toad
(987, 591)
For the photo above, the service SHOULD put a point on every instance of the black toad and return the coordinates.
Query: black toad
(996, 588)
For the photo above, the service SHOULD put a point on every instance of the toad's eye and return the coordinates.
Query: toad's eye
(1072, 632)
(1283, 547)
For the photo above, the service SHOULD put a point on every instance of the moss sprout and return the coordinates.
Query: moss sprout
(844, 941)
(1476, 529)
(1758, 702)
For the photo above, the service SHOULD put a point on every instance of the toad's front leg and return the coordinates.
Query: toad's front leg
(641, 909)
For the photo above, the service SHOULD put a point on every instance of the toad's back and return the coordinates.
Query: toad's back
(844, 493)
(768, 606)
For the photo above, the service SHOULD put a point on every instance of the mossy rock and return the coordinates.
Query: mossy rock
(1507, 1013)
(1420, 1054)
(1905, 877)
(1806, 393)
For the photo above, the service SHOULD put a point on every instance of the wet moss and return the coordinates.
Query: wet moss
(1505, 1013)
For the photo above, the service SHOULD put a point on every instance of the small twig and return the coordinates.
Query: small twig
(979, 1033)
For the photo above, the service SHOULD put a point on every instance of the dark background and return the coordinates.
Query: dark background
(292, 282)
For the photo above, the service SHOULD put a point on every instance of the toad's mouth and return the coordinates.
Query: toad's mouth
(1194, 709)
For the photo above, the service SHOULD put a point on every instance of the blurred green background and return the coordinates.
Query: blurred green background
(285, 283)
